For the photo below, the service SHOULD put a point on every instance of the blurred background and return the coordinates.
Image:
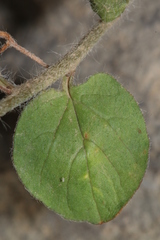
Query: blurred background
(130, 51)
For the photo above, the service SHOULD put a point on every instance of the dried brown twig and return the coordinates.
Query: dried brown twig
(10, 42)
(5, 86)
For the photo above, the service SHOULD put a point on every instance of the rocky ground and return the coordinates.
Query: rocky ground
(131, 52)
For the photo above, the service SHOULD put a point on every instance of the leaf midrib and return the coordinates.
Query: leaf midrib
(85, 155)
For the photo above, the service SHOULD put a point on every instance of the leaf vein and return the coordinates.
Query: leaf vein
(86, 158)
(98, 115)
(108, 161)
(72, 161)
(52, 142)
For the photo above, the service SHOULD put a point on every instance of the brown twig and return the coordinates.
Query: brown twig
(10, 42)
(5, 86)
(5, 90)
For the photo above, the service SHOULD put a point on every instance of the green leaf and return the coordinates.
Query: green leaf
(108, 10)
(84, 152)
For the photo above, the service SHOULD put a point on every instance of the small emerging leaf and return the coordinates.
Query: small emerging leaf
(108, 10)
(83, 152)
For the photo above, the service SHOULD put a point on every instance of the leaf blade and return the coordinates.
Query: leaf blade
(97, 160)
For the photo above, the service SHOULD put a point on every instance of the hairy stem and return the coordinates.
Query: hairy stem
(69, 63)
